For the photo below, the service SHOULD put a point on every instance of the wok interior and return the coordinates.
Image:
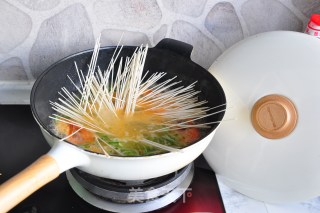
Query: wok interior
(158, 60)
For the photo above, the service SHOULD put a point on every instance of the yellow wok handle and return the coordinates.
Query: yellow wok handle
(16, 189)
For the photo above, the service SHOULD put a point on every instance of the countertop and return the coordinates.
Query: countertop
(235, 202)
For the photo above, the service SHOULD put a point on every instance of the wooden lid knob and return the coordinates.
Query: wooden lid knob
(274, 116)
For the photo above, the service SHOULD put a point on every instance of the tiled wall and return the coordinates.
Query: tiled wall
(36, 33)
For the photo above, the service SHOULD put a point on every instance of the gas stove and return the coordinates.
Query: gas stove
(193, 188)
(131, 196)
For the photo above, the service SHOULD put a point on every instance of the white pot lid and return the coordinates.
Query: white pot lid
(270, 152)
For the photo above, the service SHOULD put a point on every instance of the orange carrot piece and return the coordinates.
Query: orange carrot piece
(190, 135)
(81, 137)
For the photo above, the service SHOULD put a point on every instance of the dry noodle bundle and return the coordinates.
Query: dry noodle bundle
(121, 111)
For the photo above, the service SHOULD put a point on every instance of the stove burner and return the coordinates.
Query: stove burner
(131, 196)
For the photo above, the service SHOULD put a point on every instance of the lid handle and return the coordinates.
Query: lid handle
(176, 46)
(274, 116)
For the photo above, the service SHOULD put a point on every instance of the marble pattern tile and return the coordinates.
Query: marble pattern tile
(15, 27)
(111, 37)
(59, 36)
(236, 202)
(222, 22)
(307, 7)
(39, 4)
(40, 32)
(262, 16)
(160, 34)
(191, 7)
(12, 70)
(204, 50)
(142, 14)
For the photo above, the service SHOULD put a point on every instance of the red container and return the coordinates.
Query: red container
(313, 27)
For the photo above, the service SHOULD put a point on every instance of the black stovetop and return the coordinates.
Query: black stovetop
(22, 143)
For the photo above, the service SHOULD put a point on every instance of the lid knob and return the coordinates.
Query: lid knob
(274, 116)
